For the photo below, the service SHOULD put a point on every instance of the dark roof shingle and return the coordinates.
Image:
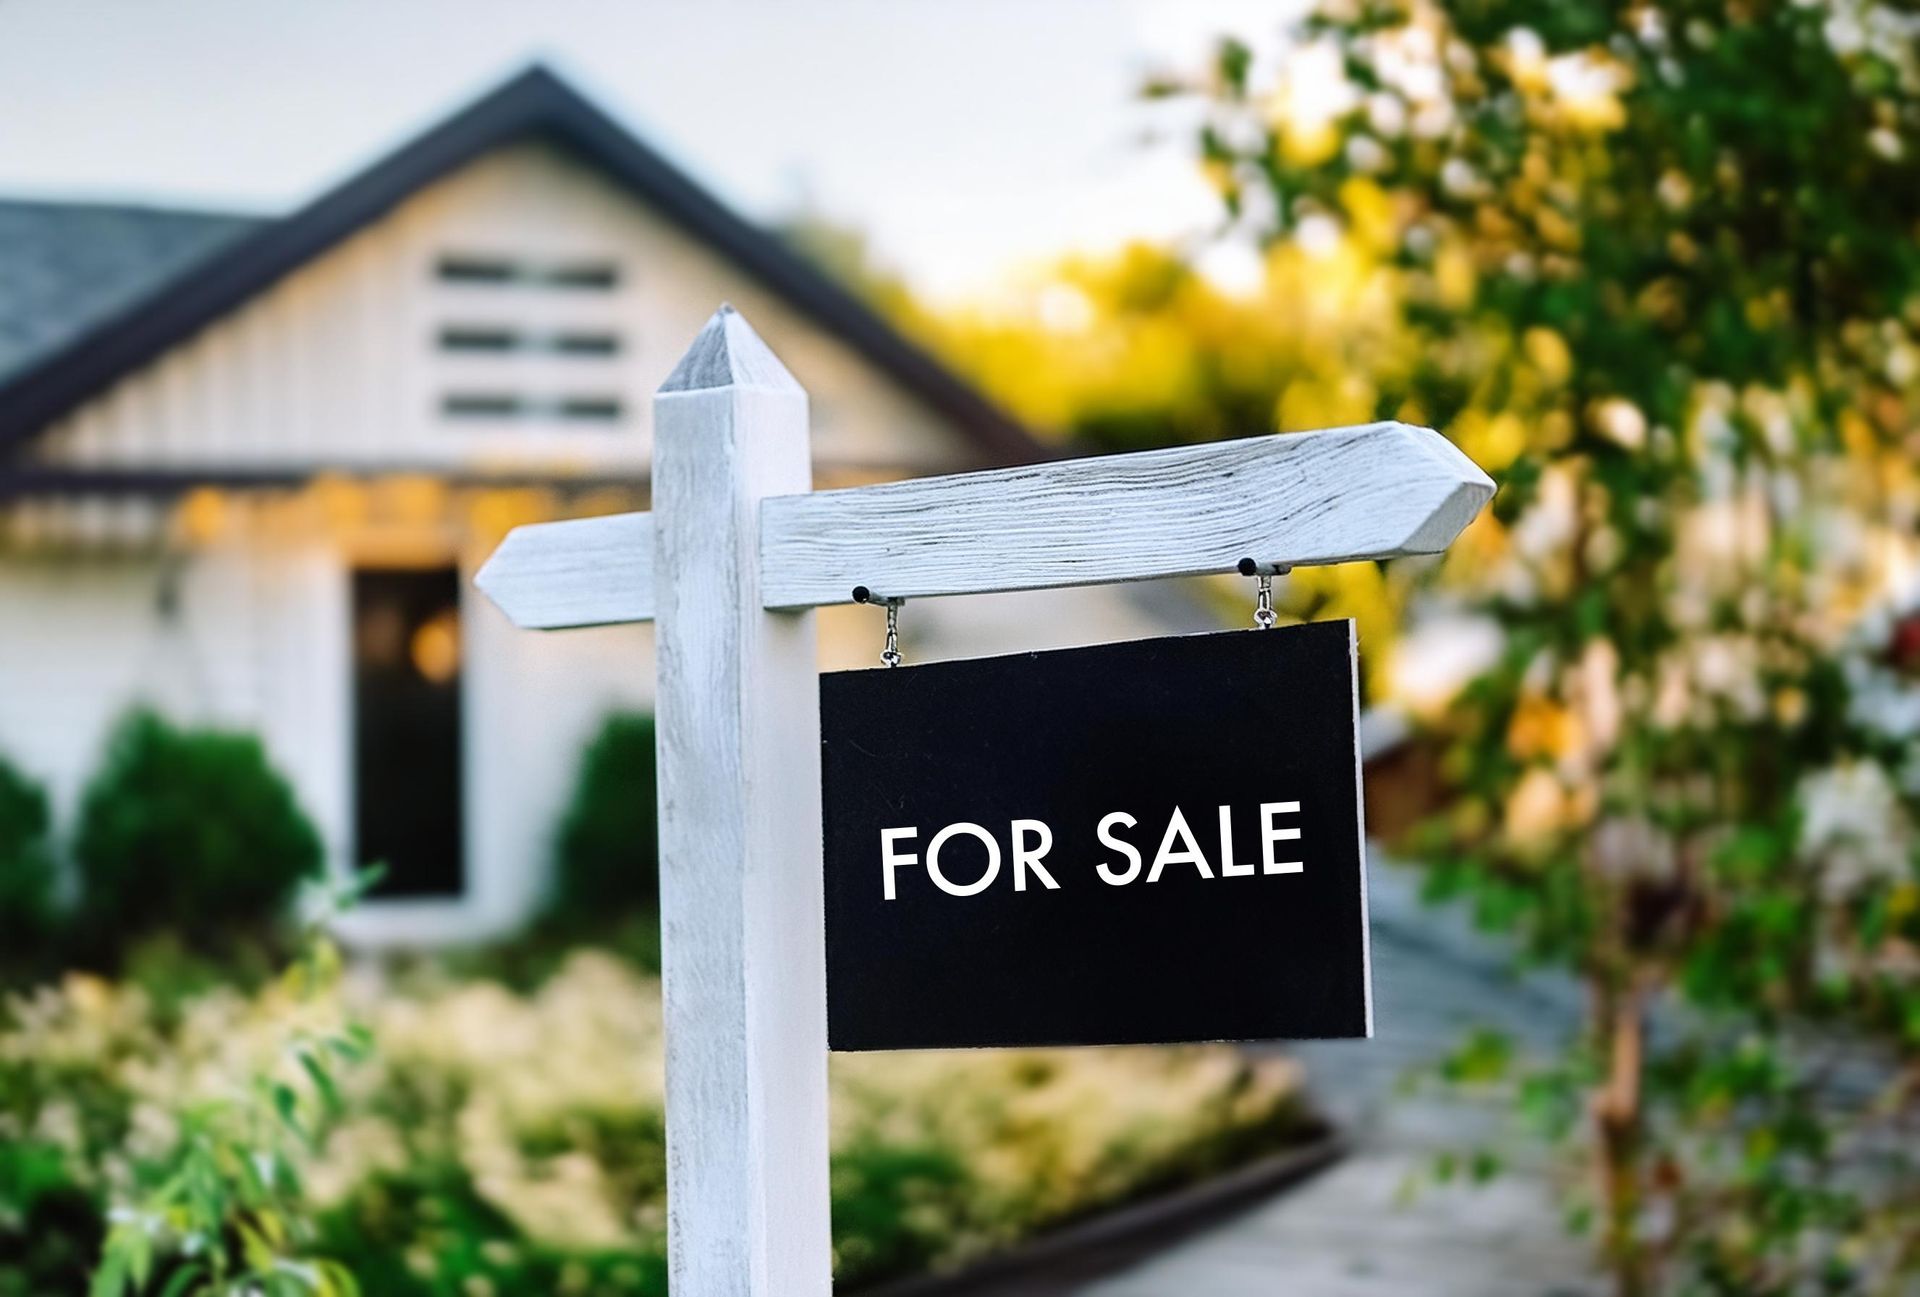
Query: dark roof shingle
(66, 267)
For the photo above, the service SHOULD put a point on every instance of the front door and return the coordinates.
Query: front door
(406, 714)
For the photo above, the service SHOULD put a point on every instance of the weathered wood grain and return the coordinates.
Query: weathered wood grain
(741, 904)
(582, 572)
(1381, 490)
(1378, 491)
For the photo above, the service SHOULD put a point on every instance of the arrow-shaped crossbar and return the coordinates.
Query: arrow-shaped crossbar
(1376, 491)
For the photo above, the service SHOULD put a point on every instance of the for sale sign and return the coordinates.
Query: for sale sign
(1144, 842)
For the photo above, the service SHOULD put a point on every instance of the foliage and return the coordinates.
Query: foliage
(513, 1141)
(191, 830)
(26, 866)
(221, 1213)
(536, 1120)
(609, 840)
(1655, 267)
(1139, 348)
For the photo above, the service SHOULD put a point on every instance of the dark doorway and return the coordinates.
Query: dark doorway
(406, 719)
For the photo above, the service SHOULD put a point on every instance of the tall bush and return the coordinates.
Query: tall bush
(608, 845)
(1654, 266)
(191, 830)
(26, 865)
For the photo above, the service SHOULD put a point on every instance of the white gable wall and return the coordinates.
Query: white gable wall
(339, 364)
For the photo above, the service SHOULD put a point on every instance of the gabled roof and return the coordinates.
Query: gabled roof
(158, 309)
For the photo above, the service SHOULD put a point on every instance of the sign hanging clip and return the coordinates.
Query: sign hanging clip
(890, 654)
(1263, 616)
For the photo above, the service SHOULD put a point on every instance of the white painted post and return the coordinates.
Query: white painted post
(740, 892)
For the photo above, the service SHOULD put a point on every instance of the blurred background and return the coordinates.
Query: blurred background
(303, 307)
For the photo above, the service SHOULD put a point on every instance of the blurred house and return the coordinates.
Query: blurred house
(247, 468)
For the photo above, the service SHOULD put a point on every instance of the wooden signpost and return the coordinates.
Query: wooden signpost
(730, 563)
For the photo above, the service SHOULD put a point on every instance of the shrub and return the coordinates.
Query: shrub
(188, 829)
(609, 847)
(26, 864)
(435, 1135)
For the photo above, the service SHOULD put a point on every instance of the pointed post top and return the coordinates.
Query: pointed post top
(728, 353)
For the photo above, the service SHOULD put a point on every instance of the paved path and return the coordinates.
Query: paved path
(1352, 1230)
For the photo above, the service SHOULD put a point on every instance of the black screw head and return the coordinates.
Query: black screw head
(1248, 567)
(862, 595)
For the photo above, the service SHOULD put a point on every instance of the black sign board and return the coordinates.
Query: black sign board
(1143, 842)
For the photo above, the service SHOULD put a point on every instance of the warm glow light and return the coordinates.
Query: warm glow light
(436, 647)
(203, 516)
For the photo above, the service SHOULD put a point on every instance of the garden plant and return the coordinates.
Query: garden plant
(1656, 267)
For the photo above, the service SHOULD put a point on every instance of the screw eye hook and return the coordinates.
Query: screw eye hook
(890, 654)
(1263, 616)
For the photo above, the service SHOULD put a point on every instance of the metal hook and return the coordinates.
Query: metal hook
(1263, 615)
(890, 654)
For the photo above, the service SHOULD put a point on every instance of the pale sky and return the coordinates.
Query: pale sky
(969, 138)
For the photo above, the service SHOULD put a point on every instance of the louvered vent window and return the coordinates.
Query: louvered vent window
(479, 406)
(590, 276)
(524, 339)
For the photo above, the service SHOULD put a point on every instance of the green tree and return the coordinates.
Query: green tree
(1657, 267)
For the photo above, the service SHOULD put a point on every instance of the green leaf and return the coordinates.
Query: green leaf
(363, 881)
(139, 1258)
(287, 1105)
(182, 1281)
(354, 1044)
(110, 1278)
(338, 1280)
(254, 1247)
(322, 1082)
(273, 1227)
(1485, 1056)
(1232, 59)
